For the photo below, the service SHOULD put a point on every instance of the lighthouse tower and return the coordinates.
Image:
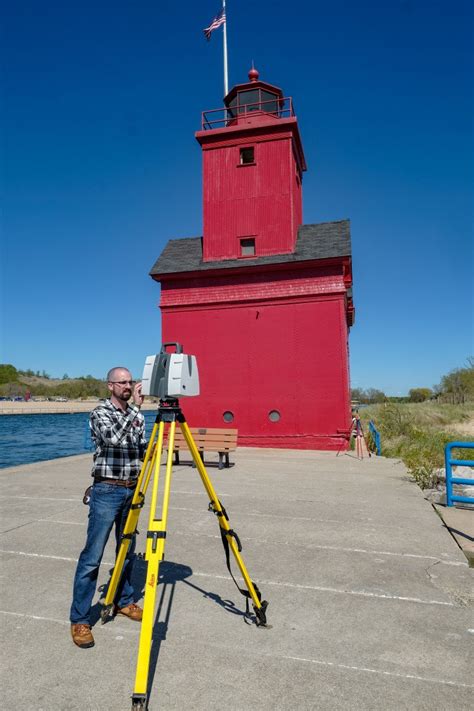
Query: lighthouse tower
(262, 300)
(253, 166)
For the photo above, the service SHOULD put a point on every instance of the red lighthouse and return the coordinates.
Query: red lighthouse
(263, 301)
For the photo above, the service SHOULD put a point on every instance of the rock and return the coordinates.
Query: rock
(463, 472)
(435, 496)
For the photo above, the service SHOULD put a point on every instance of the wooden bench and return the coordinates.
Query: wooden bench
(208, 439)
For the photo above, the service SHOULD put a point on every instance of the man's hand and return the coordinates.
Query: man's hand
(137, 395)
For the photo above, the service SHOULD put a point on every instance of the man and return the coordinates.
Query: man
(118, 433)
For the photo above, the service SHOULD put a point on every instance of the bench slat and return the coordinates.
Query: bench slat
(209, 435)
(215, 430)
(211, 438)
(210, 442)
(217, 447)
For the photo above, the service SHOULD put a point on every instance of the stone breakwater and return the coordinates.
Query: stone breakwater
(47, 407)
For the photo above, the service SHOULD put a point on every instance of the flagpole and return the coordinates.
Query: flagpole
(226, 81)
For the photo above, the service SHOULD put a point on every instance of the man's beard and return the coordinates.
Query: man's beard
(126, 395)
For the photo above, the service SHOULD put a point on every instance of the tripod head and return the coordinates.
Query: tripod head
(170, 375)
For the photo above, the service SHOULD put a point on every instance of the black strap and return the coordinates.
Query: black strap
(225, 542)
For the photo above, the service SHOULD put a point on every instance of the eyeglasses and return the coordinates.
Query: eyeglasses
(122, 382)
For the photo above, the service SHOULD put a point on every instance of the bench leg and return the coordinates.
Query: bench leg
(227, 463)
(221, 463)
(176, 456)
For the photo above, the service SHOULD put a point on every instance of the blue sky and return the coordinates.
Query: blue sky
(100, 102)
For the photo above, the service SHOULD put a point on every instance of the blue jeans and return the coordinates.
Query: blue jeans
(109, 505)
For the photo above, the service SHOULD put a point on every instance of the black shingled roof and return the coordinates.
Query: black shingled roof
(322, 241)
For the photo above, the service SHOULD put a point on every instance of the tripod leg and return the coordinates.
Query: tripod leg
(365, 441)
(152, 455)
(342, 445)
(357, 437)
(258, 606)
(155, 548)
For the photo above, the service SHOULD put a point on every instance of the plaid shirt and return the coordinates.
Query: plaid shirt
(119, 437)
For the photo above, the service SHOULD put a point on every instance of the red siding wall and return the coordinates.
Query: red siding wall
(262, 200)
(288, 355)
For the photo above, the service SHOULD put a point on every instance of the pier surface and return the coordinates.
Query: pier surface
(370, 597)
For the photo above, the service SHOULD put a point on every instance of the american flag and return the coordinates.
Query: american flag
(217, 22)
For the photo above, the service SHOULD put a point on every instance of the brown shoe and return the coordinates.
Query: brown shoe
(82, 636)
(132, 611)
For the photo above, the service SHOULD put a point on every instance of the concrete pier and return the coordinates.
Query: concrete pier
(44, 407)
(370, 598)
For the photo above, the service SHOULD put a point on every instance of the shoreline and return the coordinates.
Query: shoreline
(55, 408)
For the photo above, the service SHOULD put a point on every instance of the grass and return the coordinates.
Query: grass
(417, 433)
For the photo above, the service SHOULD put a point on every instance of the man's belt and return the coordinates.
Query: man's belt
(127, 483)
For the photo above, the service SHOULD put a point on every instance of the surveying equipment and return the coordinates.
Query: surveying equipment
(357, 431)
(170, 375)
(166, 374)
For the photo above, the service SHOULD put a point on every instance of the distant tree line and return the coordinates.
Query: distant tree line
(76, 389)
(11, 384)
(373, 396)
(368, 397)
(456, 387)
(32, 373)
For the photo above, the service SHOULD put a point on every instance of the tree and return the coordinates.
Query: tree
(357, 394)
(65, 376)
(8, 373)
(369, 396)
(457, 386)
(373, 395)
(420, 394)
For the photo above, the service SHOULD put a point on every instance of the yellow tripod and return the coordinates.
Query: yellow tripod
(169, 412)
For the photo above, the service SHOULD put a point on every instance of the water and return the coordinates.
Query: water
(35, 438)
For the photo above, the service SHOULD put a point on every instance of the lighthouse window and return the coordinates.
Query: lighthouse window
(269, 103)
(249, 101)
(231, 108)
(247, 247)
(247, 156)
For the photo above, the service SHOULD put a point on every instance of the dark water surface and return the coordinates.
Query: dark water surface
(34, 438)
